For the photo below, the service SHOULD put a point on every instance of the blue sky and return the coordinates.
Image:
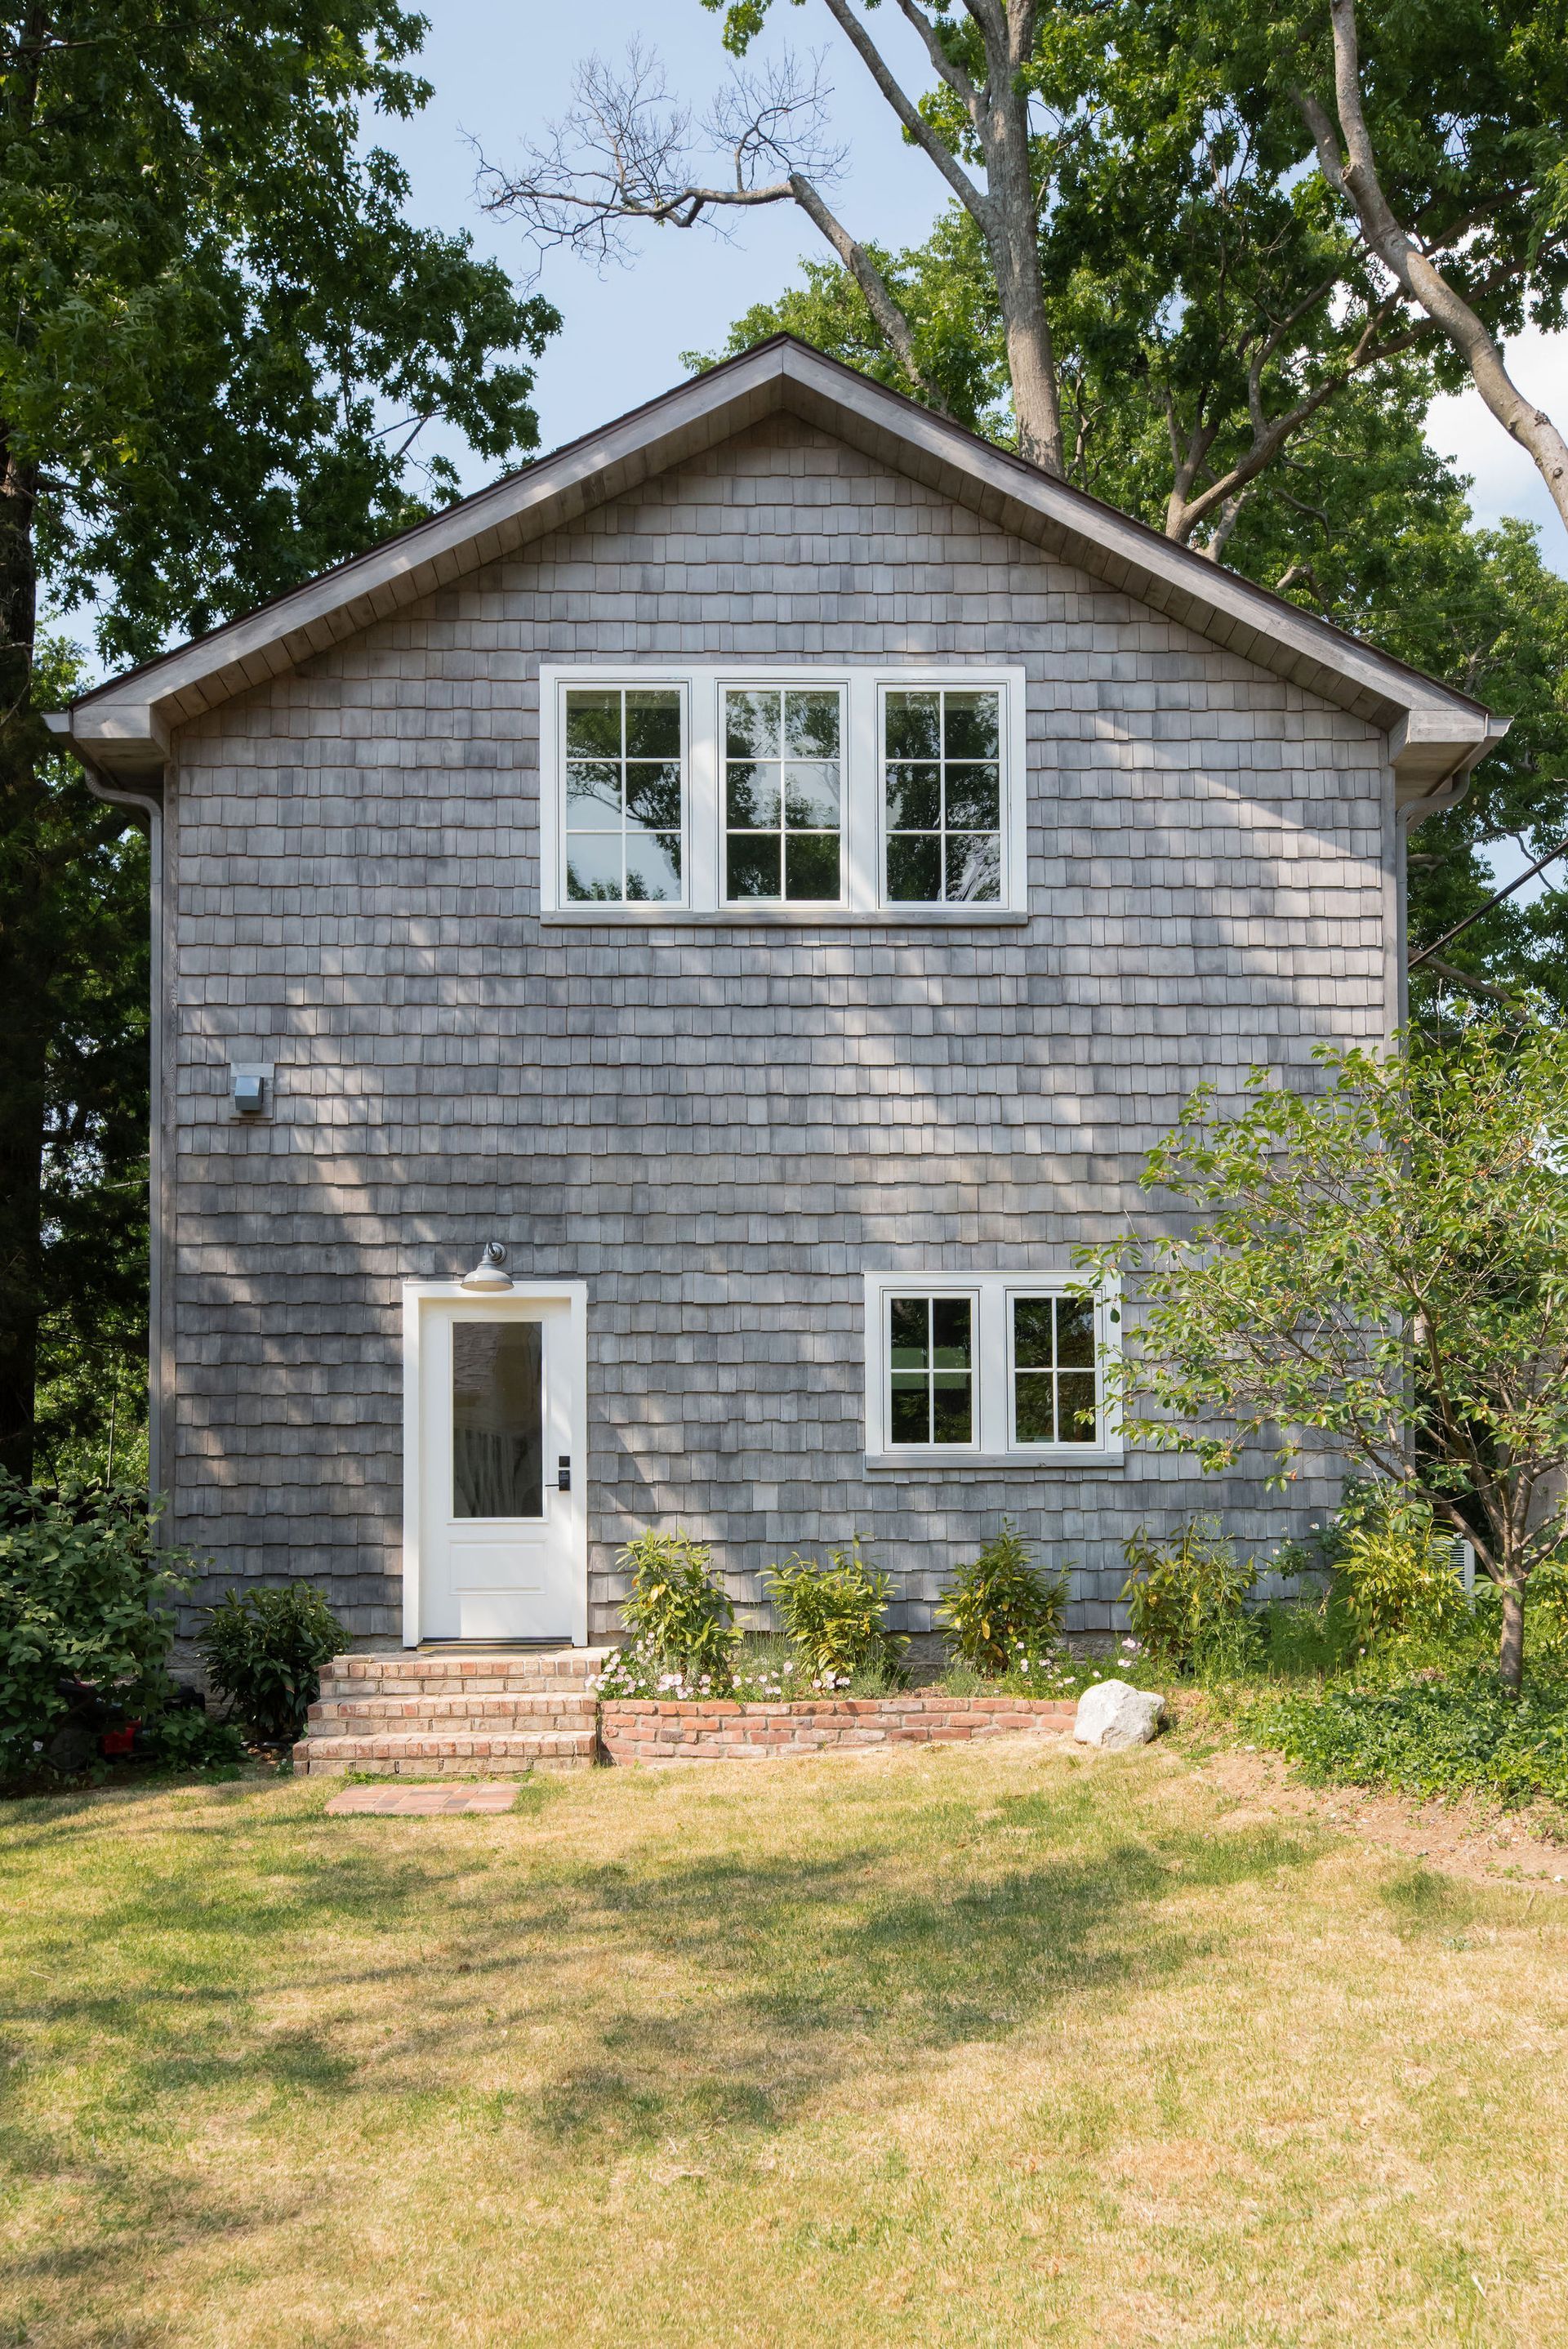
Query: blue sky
(503, 69)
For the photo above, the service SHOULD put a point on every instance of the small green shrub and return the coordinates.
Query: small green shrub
(1001, 1607)
(1432, 1735)
(185, 1738)
(1393, 1569)
(265, 1652)
(1546, 1620)
(1185, 1597)
(84, 1595)
(678, 1610)
(835, 1614)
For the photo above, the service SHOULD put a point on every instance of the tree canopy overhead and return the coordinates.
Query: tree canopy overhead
(222, 338)
(221, 331)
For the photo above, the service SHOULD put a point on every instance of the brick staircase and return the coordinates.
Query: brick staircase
(428, 1714)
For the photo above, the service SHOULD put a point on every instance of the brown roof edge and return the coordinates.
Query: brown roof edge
(1094, 511)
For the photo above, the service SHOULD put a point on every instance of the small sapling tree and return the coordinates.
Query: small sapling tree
(1382, 1267)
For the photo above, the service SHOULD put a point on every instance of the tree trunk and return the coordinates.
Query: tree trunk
(1511, 1658)
(25, 960)
(1013, 234)
(1031, 363)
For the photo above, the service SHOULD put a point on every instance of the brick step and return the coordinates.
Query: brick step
(447, 1715)
(411, 1672)
(499, 1755)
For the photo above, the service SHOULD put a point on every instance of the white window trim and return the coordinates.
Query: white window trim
(861, 808)
(994, 1445)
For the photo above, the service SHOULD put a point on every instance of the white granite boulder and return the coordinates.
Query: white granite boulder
(1113, 1714)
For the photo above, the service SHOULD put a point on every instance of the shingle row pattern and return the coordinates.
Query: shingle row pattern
(720, 1129)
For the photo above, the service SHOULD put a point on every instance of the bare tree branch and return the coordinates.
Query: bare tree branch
(624, 156)
(973, 198)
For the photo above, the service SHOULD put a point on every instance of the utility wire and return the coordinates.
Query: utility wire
(1495, 899)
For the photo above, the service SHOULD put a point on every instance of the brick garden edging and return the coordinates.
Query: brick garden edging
(634, 1730)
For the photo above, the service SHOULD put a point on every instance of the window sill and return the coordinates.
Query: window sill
(605, 917)
(1030, 1462)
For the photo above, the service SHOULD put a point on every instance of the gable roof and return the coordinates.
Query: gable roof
(1436, 734)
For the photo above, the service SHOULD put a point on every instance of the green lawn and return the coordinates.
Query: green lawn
(976, 2045)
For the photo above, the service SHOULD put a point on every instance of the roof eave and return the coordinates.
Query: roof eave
(126, 724)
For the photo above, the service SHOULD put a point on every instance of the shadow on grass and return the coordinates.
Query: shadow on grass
(722, 1993)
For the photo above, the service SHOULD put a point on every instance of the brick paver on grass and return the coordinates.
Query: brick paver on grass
(420, 1802)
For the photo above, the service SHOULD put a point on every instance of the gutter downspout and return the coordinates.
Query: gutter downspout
(1445, 793)
(147, 799)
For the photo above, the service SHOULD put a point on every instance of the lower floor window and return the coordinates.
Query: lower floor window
(1005, 1364)
(930, 1385)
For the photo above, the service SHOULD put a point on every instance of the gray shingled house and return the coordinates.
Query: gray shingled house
(771, 868)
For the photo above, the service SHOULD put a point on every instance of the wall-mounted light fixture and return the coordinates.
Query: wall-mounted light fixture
(490, 1276)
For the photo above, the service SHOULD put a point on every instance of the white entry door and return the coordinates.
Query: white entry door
(496, 1508)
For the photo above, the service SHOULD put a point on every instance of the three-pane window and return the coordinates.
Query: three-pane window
(782, 753)
(809, 795)
(941, 778)
(625, 763)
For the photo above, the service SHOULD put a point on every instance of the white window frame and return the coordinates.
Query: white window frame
(862, 852)
(994, 1445)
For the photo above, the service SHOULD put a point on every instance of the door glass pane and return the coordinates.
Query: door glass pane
(498, 1418)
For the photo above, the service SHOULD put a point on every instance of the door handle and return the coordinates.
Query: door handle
(563, 1473)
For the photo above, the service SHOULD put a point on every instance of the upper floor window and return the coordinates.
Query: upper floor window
(941, 768)
(808, 793)
(624, 841)
(782, 769)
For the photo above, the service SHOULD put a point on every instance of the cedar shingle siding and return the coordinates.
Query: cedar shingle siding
(719, 1128)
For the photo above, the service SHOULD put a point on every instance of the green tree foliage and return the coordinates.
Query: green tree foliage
(220, 339)
(84, 1595)
(1381, 1267)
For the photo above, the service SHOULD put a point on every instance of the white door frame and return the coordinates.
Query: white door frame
(417, 1294)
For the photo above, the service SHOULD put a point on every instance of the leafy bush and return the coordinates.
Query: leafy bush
(1430, 1735)
(1546, 1619)
(265, 1652)
(1001, 1607)
(187, 1738)
(83, 1595)
(835, 1614)
(676, 1609)
(1186, 1597)
(1393, 1569)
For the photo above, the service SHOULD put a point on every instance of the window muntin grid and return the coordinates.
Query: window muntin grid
(782, 777)
(1054, 1392)
(942, 795)
(931, 1370)
(624, 794)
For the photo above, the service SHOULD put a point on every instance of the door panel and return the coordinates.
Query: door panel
(498, 1541)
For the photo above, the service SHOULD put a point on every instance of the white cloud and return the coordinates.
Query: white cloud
(1506, 481)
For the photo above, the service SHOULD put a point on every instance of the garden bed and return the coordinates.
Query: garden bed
(635, 1729)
